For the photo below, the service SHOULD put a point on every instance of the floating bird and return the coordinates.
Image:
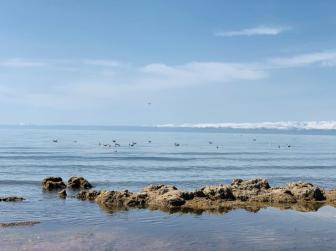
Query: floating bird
(149, 141)
(210, 142)
(176, 144)
(55, 140)
(132, 144)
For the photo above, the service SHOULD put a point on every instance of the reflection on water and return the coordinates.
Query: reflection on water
(269, 229)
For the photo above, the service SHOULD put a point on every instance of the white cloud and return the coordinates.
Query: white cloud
(200, 73)
(282, 125)
(321, 58)
(102, 62)
(21, 63)
(255, 31)
(85, 84)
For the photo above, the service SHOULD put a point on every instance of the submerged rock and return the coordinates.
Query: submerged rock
(11, 199)
(19, 223)
(62, 194)
(76, 182)
(53, 183)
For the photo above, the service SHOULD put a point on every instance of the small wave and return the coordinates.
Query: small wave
(87, 158)
(20, 182)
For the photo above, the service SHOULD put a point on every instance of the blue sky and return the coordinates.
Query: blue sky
(102, 62)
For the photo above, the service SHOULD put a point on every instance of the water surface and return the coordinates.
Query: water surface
(28, 155)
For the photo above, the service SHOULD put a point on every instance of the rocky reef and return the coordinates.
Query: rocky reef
(251, 195)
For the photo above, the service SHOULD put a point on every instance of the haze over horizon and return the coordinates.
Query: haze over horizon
(159, 62)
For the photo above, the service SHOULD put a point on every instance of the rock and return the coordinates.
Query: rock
(62, 194)
(165, 196)
(53, 183)
(87, 195)
(11, 199)
(250, 184)
(246, 189)
(306, 191)
(78, 183)
(331, 195)
(276, 195)
(19, 223)
(121, 199)
(216, 192)
(251, 195)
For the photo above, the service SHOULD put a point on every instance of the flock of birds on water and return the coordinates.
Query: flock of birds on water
(133, 144)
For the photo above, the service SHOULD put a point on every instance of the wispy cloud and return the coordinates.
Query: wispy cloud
(321, 58)
(102, 62)
(254, 31)
(200, 73)
(21, 63)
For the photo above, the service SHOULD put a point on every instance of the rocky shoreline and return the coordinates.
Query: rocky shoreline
(250, 195)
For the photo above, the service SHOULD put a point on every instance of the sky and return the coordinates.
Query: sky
(162, 62)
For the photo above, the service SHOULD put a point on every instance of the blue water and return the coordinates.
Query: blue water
(27, 155)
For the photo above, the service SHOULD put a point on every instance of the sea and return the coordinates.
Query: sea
(119, 158)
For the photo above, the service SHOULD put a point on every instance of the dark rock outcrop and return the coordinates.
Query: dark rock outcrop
(53, 183)
(87, 195)
(11, 199)
(76, 182)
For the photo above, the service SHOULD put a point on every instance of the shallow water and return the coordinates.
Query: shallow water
(28, 155)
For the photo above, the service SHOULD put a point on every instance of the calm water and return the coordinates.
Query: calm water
(28, 155)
